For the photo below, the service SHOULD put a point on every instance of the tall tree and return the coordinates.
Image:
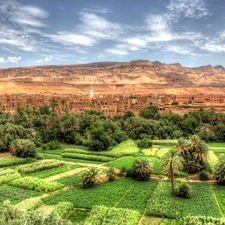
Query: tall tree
(172, 162)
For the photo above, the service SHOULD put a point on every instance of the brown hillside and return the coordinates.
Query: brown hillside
(138, 77)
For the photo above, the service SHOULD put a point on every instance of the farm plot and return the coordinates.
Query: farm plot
(220, 196)
(106, 193)
(201, 203)
(137, 196)
(54, 171)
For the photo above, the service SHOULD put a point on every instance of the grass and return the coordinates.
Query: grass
(107, 193)
(52, 152)
(157, 168)
(54, 171)
(137, 196)
(78, 215)
(216, 144)
(70, 180)
(16, 193)
(220, 196)
(48, 156)
(125, 162)
(165, 142)
(201, 203)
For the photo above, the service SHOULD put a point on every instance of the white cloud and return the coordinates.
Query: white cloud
(23, 15)
(186, 8)
(10, 60)
(69, 38)
(39, 61)
(97, 10)
(48, 59)
(117, 51)
(99, 28)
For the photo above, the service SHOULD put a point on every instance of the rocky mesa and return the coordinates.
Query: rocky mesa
(139, 77)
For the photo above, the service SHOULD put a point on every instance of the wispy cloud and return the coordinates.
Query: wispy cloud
(117, 51)
(94, 9)
(10, 60)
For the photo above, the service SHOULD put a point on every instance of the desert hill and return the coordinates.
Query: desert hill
(138, 77)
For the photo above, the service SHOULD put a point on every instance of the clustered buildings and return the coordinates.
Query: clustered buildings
(112, 105)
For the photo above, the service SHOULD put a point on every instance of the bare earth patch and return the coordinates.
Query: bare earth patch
(5, 154)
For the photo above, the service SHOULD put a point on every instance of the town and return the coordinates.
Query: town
(112, 105)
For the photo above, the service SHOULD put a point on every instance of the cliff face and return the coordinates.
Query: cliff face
(137, 72)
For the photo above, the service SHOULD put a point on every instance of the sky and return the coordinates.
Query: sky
(53, 32)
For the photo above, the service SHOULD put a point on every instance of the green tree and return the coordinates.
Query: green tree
(172, 162)
(151, 112)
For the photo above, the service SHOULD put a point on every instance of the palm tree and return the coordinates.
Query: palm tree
(89, 177)
(110, 173)
(219, 173)
(142, 169)
(171, 161)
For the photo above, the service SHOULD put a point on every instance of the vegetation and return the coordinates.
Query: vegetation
(163, 204)
(10, 161)
(89, 177)
(172, 162)
(219, 173)
(63, 208)
(32, 183)
(8, 175)
(101, 215)
(110, 173)
(142, 169)
(144, 143)
(10, 214)
(30, 204)
(39, 166)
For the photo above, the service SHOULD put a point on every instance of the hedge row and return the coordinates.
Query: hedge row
(63, 208)
(8, 175)
(39, 166)
(11, 161)
(101, 215)
(87, 157)
(30, 204)
(33, 183)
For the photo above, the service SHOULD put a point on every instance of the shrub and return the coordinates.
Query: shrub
(63, 208)
(110, 173)
(51, 145)
(89, 177)
(144, 143)
(203, 175)
(142, 169)
(23, 148)
(96, 145)
(183, 191)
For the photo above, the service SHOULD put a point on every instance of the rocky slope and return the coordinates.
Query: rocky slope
(140, 76)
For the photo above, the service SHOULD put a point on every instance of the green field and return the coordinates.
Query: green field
(150, 199)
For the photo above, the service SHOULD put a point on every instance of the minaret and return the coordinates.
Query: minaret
(91, 93)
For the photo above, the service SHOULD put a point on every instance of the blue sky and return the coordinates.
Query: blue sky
(37, 32)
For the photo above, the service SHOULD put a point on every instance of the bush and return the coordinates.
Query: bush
(183, 191)
(142, 169)
(23, 148)
(51, 145)
(203, 175)
(89, 177)
(96, 145)
(110, 173)
(63, 208)
(144, 143)
(219, 173)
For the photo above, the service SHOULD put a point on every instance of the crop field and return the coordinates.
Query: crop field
(55, 182)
